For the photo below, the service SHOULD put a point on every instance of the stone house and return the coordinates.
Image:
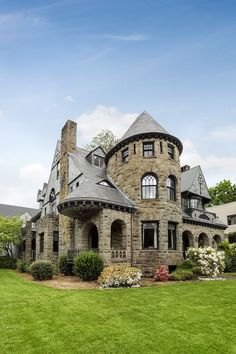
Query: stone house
(133, 205)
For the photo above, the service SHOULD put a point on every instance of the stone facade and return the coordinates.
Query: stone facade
(107, 208)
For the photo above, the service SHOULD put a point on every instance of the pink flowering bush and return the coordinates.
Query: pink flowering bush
(161, 273)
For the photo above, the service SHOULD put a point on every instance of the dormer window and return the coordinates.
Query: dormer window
(148, 149)
(125, 155)
(98, 161)
(105, 184)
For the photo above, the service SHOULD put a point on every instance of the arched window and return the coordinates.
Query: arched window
(149, 187)
(171, 188)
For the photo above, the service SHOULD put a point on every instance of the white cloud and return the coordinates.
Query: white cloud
(129, 37)
(69, 99)
(215, 168)
(227, 132)
(102, 117)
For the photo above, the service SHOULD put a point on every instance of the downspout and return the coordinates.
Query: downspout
(131, 224)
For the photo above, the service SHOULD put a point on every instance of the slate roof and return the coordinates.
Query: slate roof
(13, 210)
(89, 189)
(216, 222)
(144, 126)
(144, 123)
(188, 179)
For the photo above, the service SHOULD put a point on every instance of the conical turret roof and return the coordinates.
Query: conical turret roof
(143, 127)
(143, 124)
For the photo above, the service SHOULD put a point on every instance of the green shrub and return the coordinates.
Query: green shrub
(182, 274)
(88, 265)
(187, 264)
(65, 267)
(116, 276)
(41, 270)
(23, 265)
(7, 262)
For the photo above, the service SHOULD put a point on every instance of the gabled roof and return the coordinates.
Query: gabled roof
(190, 182)
(89, 189)
(14, 210)
(144, 123)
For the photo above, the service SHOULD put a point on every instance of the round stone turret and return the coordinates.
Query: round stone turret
(145, 166)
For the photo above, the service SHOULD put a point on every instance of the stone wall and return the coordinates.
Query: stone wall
(46, 225)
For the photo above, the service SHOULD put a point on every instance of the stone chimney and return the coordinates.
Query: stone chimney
(68, 145)
(66, 224)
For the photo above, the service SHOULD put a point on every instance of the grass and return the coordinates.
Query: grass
(182, 318)
(230, 274)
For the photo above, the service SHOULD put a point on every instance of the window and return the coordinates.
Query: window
(98, 161)
(125, 155)
(52, 195)
(171, 188)
(149, 187)
(55, 241)
(134, 149)
(171, 236)
(171, 151)
(231, 219)
(148, 149)
(150, 235)
(196, 203)
(58, 170)
(77, 184)
(161, 147)
(41, 242)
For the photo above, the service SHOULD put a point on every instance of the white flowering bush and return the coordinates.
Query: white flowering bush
(120, 276)
(210, 261)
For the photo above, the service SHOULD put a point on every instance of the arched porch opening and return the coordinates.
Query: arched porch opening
(216, 241)
(118, 235)
(187, 241)
(90, 236)
(203, 240)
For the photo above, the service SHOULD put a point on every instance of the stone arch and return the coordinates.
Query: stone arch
(187, 240)
(203, 240)
(216, 240)
(118, 235)
(90, 236)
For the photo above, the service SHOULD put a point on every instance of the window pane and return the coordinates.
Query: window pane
(149, 187)
(148, 149)
(150, 235)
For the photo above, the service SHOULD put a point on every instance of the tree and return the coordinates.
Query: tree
(10, 234)
(223, 192)
(106, 139)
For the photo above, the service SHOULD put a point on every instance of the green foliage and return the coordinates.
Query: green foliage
(230, 255)
(223, 192)
(7, 262)
(41, 270)
(23, 265)
(64, 267)
(106, 139)
(187, 264)
(231, 237)
(10, 234)
(88, 265)
(182, 274)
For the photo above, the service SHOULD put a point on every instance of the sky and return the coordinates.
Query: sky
(101, 63)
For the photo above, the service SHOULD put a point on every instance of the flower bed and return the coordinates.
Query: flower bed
(120, 276)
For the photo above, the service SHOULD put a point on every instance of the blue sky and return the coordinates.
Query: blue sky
(103, 62)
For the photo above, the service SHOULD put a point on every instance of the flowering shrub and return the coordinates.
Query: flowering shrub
(161, 273)
(210, 262)
(120, 276)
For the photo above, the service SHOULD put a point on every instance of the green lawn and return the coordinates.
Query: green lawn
(230, 274)
(172, 318)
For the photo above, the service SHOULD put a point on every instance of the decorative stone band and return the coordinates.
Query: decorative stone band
(142, 136)
(75, 208)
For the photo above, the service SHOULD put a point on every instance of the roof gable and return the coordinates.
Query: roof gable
(193, 181)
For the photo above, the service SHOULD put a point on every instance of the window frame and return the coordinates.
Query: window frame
(171, 191)
(156, 241)
(125, 155)
(148, 187)
(148, 150)
(171, 151)
(172, 236)
(100, 161)
(229, 219)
